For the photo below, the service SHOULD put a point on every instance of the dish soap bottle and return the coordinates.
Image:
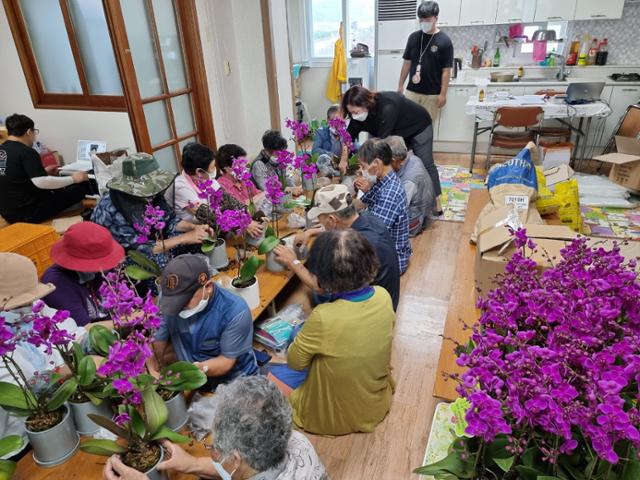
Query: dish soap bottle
(574, 51)
(593, 52)
(584, 51)
(496, 58)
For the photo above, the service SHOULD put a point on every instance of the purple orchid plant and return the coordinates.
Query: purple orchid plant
(553, 371)
(41, 397)
(132, 385)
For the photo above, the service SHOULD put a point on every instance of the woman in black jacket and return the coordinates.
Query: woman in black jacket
(383, 114)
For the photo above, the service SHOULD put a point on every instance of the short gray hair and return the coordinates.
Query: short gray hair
(252, 418)
(397, 145)
(346, 213)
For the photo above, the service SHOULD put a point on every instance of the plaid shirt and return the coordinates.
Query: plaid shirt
(388, 201)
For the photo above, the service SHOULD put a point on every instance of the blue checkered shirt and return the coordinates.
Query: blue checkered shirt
(388, 201)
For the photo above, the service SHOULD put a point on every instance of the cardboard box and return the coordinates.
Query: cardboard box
(556, 154)
(495, 248)
(625, 162)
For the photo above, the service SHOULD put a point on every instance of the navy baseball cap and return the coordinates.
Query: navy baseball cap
(181, 278)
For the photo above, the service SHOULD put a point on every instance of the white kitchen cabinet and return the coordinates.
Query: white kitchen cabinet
(554, 10)
(598, 9)
(454, 125)
(621, 97)
(449, 13)
(478, 12)
(515, 11)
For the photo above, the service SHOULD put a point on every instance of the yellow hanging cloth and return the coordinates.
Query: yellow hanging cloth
(338, 73)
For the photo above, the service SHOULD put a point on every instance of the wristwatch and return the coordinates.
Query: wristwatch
(296, 262)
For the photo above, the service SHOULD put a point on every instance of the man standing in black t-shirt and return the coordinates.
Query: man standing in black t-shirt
(428, 58)
(29, 192)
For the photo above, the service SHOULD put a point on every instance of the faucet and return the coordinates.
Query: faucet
(563, 73)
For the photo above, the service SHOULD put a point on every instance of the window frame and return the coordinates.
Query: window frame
(307, 11)
(62, 101)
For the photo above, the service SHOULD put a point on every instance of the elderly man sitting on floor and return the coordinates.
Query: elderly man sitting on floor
(203, 323)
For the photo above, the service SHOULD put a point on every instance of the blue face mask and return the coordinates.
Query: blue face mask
(224, 475)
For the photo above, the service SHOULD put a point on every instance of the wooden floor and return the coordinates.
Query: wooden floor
(397, 446)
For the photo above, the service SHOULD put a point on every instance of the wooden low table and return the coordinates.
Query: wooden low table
(84, 466)
(462, 310)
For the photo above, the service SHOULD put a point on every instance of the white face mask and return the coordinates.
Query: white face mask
(224, 475)
(333, 130)
(202, 304)
(426, 26)
(360, 117)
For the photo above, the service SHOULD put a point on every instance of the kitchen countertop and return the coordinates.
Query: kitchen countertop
(609, 82)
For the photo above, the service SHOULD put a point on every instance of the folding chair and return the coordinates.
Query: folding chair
(628, 126)
(554, 132)
(512, 118)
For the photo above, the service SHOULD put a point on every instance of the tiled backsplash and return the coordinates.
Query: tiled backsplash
(623, 35)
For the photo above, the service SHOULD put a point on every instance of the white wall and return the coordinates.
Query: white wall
(280, 35)
(232, 35)
(59, 129)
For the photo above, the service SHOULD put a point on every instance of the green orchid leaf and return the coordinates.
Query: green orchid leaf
(528, 473)
(78, 354)
(86, 371)
(155, 410)
(250, 268)
(144, 262)
(13, 396)
(451, 464)
(184, 376)
(504, 463)
(270, 232)
(137, 423)
(62, 394)
(168, 434)
(100, 339)
(138, 273)
(631, 470)
(208, 246)
(314, 125)
(93, 398)
(268, 244)
(7, 467)
(109, 424)
(10, 443)
(106, 448)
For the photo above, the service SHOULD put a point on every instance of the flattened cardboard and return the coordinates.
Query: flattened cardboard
(558, 174)
(626, 163)
(494, 250)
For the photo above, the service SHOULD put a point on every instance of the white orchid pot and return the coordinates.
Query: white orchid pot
(251, 293)
(80, 412)
(309, 184)
(153, 473)
(218, 256)
(255, 242)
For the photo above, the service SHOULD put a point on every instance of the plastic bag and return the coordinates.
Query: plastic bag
(569, 212)
(278, 332)
(547, 201)
(104, 172)
(202, 411)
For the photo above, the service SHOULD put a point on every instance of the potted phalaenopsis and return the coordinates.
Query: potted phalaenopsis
(275, 194)
(245, 283)
(41, 398)
(240, 170)
(153, 224)
(553, 371)
(142, 412)
(214, 247)
(303, 161)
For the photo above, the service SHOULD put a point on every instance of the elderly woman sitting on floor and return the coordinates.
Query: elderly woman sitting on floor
(340, 360)
(252, 439)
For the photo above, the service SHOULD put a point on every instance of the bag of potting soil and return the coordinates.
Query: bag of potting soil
(516, 177)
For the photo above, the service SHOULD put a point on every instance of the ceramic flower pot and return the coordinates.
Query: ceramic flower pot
(251, 293)
(218, 256)
(309, 184)
(178, 416)
(84, 425)
(56, 445)
(153, 474)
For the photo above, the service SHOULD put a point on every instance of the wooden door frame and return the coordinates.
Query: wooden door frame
(270, 62)
(188, 28)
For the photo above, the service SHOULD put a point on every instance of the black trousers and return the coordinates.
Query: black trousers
(51, 204)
